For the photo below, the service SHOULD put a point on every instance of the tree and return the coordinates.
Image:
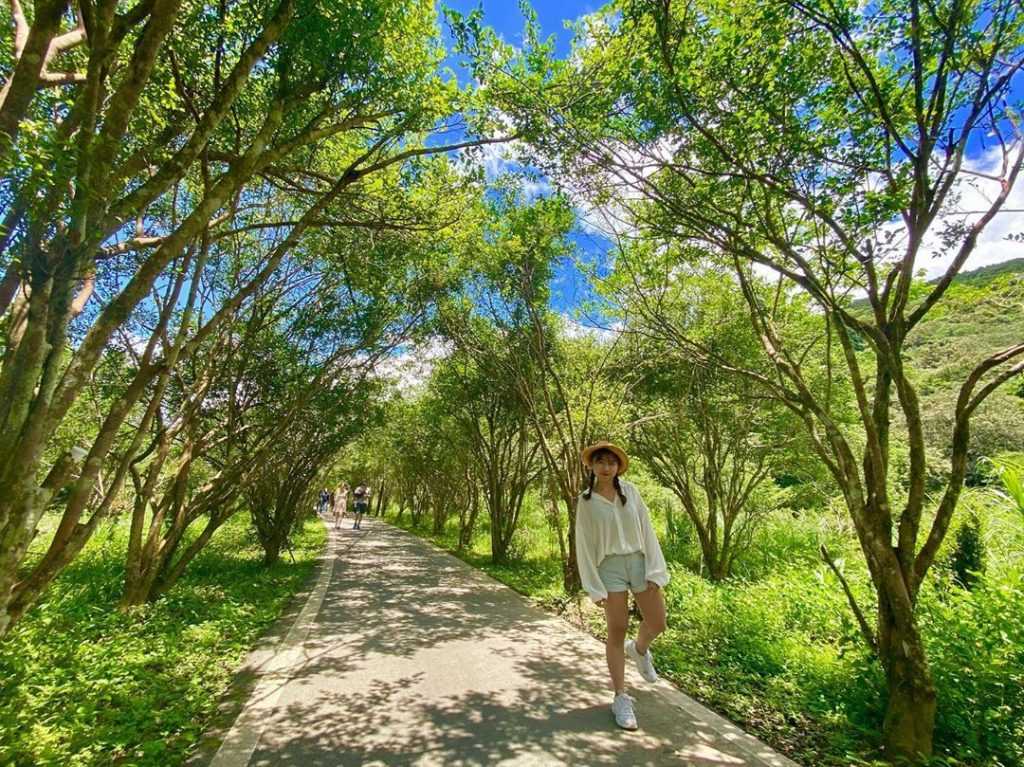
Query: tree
(131, 174)
(428, 459)
(709, 436)
(282, 491)
(824, 142)
(503, 452)
(308, 340)
(556, 387)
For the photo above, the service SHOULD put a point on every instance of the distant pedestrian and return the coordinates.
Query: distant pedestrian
(361, 502)
(340, 502)
(325, 498)
(617, 550)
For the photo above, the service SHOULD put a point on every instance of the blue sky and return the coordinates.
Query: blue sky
(570, 287)
(507, 20)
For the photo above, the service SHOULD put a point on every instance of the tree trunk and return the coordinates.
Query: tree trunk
(718, 568)
(571, 580)
(134, 594)
(139, 586)
(439, 516)
(468, 521)
(909, 723)
(16, 535)
(499, 540)
(172, 569)
(499, 551)
(272, 550)
(21, 87)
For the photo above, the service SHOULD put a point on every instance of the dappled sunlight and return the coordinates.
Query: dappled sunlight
(416, 658)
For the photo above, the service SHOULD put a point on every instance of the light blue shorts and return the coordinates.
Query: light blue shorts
(620, 572)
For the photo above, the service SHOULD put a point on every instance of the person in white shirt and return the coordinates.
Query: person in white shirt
(617, 550)
(340, 503)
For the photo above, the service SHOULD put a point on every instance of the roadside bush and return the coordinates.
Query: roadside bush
(82, 683)
(975, 642)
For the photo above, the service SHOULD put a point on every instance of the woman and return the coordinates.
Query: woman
(617, 550)
(340, 501)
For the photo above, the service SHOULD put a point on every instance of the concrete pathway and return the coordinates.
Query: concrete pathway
(404, 655)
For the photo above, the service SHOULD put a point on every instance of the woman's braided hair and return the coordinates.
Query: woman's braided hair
(590, 483)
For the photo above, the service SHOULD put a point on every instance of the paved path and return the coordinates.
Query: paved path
(404, 655)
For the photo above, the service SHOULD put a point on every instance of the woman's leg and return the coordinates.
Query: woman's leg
(652, 607)
(616, 615)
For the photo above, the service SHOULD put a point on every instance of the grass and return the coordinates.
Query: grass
(777, 650)
(83, 683)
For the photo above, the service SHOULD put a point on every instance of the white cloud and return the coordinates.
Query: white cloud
(627, 168)
(976, 196)
(410, 369)
(971, 197)
(495, 160)
(573, 328)
(504, 159)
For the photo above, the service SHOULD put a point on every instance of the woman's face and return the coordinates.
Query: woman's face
(605, 464)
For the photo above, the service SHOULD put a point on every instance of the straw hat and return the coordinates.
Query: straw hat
(602, 445)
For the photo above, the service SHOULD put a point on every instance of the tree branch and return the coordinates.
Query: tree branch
(865, 629)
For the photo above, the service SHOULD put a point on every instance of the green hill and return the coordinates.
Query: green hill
(983, 312)
(987, 273)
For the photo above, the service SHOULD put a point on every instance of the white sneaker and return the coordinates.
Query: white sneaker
(622, 707)
(644, 663)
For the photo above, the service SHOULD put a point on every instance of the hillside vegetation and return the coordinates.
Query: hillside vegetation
(982, 313)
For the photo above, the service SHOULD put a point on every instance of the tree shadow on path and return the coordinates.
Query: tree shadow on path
(415, 658)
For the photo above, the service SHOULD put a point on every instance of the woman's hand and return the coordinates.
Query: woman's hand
(601, 602)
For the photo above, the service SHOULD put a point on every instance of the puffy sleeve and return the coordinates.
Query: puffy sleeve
(657, 570)
(586, 554)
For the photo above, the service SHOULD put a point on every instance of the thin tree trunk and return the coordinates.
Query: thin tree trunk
(571, 571)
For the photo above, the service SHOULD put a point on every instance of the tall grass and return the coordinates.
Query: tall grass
(1010, 470)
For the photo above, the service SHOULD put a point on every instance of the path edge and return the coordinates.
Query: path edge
(247, 676)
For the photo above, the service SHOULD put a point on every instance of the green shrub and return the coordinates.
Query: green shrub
(975, 644)
(1010, 470)
(967, 560)
(82, 683)
(787, 537)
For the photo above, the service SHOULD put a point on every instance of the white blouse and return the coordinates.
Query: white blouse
(604, 527)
